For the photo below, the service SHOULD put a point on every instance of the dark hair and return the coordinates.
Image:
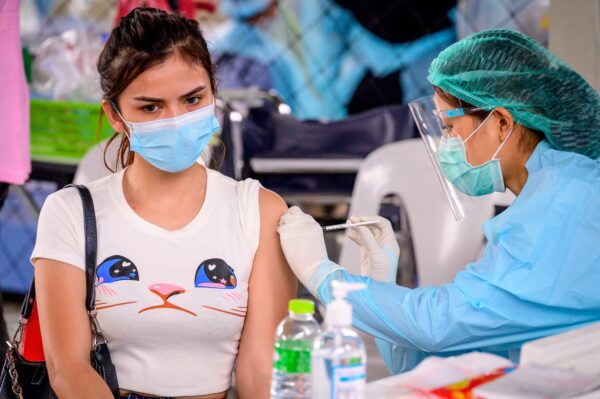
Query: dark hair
(144, 38)
(528, 140)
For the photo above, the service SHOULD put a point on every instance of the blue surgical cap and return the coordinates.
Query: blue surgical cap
(502, 68)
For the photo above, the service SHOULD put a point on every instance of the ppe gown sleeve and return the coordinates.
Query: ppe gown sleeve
(464, 315)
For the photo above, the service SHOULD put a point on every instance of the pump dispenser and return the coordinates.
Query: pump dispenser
(339, 311)
(339, 356)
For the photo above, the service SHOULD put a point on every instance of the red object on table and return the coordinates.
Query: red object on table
(464, 389)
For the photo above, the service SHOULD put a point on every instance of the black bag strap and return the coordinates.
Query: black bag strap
(91, 254)
(27, 305)
(91, 243)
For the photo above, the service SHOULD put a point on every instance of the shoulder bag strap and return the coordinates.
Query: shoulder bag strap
(91, 242)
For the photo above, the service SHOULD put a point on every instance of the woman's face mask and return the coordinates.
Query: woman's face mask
(468, 179)
(174, 144)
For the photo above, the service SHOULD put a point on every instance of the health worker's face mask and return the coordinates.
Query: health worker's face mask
(174, 144)
(468, 179)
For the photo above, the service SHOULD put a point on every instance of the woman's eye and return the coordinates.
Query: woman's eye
(192, 100)
(150, 108)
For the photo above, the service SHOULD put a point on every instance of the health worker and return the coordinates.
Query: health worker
(506, 113)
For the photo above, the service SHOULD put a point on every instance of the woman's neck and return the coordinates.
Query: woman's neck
(516, 174)
(143, 181)
(517, 180)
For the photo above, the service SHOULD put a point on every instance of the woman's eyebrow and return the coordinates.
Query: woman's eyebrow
(161, 100)
(149, 99)
(194, 91)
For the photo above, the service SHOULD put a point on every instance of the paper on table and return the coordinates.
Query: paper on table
(435, 372)
(531, 382)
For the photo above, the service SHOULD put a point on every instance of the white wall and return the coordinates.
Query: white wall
(575, 36)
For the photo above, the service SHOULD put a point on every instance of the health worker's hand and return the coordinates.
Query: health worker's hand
(379, 250)
(303, 244)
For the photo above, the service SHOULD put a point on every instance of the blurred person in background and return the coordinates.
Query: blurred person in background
(328, 58)
(403, 37)
(246, 56)
(353, 57)
(15, 162)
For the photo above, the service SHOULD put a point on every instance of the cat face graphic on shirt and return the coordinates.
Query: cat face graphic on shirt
(116, 268)
(212, 274)
(215, 273)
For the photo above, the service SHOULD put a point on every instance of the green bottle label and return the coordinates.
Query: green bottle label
(355, 361)
(292, 356)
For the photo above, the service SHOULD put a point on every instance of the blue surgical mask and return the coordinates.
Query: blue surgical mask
(468, 179)
(174, 144)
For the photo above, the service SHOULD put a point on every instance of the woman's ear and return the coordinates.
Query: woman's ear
(113, 117)
(505, 123)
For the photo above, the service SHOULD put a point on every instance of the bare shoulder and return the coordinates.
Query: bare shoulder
(272, 206)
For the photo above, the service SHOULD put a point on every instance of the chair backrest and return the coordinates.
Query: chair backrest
(442, 246)
(91, 167)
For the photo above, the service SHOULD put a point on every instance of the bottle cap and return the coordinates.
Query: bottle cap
(301, 306)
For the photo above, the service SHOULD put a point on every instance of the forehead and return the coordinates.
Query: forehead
(171, 78)
(440, 104)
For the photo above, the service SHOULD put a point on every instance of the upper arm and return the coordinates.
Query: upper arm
(272, 284)
(59, 262)
(272, 279)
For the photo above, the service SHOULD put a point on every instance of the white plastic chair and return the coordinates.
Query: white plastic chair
(91, 167)
(442, 246)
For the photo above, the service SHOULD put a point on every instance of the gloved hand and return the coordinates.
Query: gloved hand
(379, 248)
(303, 244)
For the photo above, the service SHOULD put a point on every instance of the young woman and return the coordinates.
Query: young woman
(190, 274)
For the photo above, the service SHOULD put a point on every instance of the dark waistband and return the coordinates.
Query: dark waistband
(136, 396)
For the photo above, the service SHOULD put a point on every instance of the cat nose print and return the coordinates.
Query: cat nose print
(166, 290)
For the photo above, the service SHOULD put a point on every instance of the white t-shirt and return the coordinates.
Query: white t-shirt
(171, 304)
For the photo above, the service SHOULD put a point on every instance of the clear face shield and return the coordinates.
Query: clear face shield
(430, 122)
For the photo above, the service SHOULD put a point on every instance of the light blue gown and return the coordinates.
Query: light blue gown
(246, 40)
(539, 275)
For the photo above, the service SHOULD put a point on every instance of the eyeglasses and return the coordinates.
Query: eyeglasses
(441, 116)
(453, 113)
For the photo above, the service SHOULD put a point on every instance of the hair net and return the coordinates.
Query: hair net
(244, 9)
(502, 68)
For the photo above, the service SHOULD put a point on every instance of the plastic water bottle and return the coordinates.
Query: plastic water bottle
(293, 344)
(339, 356)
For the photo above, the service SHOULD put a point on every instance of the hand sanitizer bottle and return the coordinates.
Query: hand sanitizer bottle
(339, 357)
